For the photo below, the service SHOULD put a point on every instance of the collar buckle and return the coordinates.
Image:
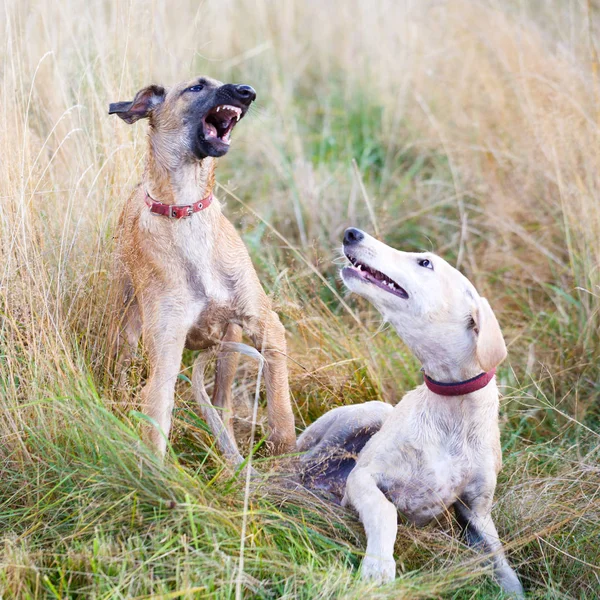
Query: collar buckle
(180, 211)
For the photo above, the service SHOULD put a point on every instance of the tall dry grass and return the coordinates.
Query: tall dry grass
(468, 128)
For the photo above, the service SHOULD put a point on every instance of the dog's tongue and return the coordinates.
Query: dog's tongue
(210, 130)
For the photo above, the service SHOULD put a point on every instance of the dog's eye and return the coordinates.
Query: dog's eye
(424, 262)
(196, 88)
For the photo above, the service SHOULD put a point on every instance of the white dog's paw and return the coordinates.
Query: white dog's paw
(379, 570)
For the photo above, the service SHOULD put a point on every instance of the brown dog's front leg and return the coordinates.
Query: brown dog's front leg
(227, 363)
(272, 345)
(164, 339)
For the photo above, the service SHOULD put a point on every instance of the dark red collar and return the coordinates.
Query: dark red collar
(177, 211)
(460, 388)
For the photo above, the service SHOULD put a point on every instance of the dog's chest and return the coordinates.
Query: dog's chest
(194, 266)
(205, 280)
(428, 483)
(188, 254)
(197, 259)
(427, 453)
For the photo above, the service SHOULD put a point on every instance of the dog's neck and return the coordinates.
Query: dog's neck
(459, 388)
(448, 358)
(451, 371)
(183, 183)
(454, 371)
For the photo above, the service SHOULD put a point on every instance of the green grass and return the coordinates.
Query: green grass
(93, 514)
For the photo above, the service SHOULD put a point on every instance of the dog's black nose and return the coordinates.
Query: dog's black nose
(245, 93)
(353, 236)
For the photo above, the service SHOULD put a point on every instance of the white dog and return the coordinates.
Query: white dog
(440, 446)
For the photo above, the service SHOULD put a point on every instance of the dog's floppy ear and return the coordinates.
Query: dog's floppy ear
(491, 349)
(141, 106)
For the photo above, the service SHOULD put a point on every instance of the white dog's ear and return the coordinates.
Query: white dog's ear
(491, 349)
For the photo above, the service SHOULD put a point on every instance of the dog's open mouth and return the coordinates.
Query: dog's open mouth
(219, 122)
(375, 277)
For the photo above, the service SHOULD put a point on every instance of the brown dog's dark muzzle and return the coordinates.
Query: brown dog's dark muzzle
(245, 93)
(236, 94)
(229, 104)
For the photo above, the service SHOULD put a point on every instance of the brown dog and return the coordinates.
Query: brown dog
(184, 277)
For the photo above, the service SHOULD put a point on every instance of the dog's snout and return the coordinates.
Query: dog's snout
(353, 236)
(245, 93)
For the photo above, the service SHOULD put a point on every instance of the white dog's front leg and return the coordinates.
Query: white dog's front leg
(480, 533)
(380, 520)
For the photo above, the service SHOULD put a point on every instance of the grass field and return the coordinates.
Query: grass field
(466, 128)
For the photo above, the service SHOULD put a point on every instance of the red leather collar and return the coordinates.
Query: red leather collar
(462, 387)
(177, 211)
